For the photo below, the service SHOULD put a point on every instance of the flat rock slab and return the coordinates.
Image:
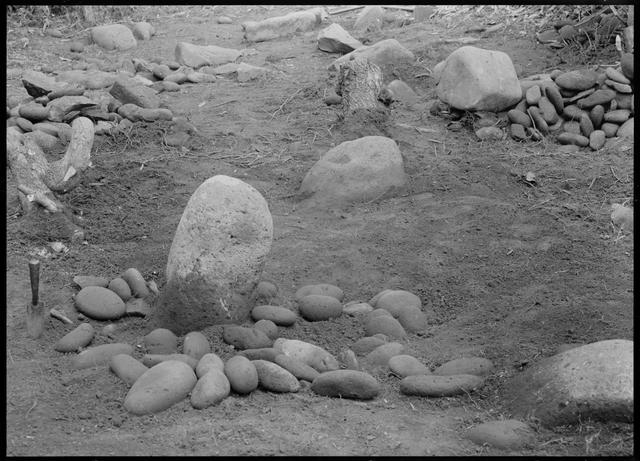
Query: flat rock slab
(128, 92)
(383, 53)
(282, 26)
(38, 84)
(363, 169)
(91, 80)
(439, 386)
(593, 381)
(334, 39)
(196, 56)
(509, 434)
(477, 79)
(60, 107)
(113, 37)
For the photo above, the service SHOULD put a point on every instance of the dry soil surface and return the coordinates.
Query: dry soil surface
(509, 269)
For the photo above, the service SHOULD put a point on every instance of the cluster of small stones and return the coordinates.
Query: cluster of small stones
(164, 375)
(102, 299)
(581, 107)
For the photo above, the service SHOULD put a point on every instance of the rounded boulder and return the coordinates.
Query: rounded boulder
(242, 374)
(211, 388)
(196, 345)
(207, 362)
(325, 289)
(161, 341)
(160, 387)
(126, 368)
(319, 307)
(363, 169)
(99, 303)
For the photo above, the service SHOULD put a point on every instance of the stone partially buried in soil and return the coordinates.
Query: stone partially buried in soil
(160, 387)
(363, 169)
(273, 377)
(413, 319)
(439, 386)
(380, 356)
(589, 382)
(325, 289)
(406, 365)
(113, 37)
(245, 338)
(509, 434)
(386, 325)
(349, 384)
(99, 303)
(100, 355)
(161, 341)
(365, 345)
(386, 54)
(217, 256)
(196, 56)
(128, 92)
(318, 307)
(150, 360)
(478, 366)
(357, 307)
(277, 314)
(196, 345)
(76, 338)
(261, 353)
(126, 368)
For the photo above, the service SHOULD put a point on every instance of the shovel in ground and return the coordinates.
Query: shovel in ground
(35, 310)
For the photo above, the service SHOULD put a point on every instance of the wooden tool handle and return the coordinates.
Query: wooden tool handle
(34, 274)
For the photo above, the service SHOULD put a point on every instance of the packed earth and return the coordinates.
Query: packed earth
(449, 273)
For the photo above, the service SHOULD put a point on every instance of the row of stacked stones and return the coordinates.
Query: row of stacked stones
(581, 107)
(164, 376)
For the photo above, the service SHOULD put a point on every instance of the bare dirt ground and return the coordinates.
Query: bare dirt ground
(510, 270)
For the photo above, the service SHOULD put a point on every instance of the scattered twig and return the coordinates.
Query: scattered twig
(614, 174)
(223, 103)
(285, 103)
(418, 129)
(60, 316)
(346, 9)
(35, 402)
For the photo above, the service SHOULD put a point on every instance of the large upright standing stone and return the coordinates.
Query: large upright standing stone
(477, 79)
(216, 257)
